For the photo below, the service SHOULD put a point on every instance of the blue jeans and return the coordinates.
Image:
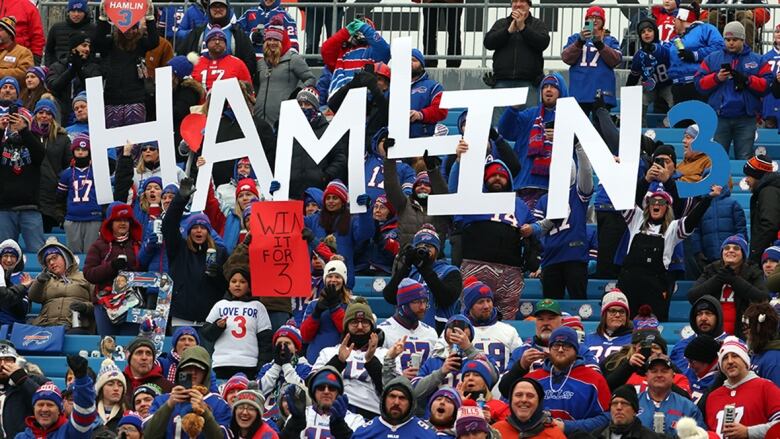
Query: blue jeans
(741, 131)
(28, 223)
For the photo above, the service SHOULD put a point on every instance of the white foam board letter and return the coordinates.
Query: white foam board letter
(619, 179)
(294, 126)
(248, 146)
(102, 138)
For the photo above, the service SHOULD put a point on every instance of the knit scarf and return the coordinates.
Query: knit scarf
(533, 426)
(171, 373)
(107, 416)
(39, 129)
(539, 147)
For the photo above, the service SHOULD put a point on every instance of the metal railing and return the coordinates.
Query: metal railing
(473, 19)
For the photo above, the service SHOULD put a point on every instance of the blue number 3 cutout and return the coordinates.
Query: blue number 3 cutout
(127, 16)
(707, 120)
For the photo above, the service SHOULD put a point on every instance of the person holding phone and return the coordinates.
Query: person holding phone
(592, 56)
(168, 409)
(734, 80)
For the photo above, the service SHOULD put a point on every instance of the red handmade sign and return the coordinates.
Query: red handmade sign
(278, 256)
(125, 13)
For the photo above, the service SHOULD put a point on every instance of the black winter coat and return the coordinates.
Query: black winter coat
(18, 402)
(222, 172)
(188, 93)
(194, 292)
(58, 156)
(304, 173)
(764, 215)
(518, 55)
(20, 171)
(748, 286)
(66, 81)
(58, 40)
(121, 84)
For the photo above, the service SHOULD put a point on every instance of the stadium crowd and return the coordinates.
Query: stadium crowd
(448, 362)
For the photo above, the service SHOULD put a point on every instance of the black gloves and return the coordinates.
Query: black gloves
(687, 55)
(186, 187)
(119, 264)
(296, 401)
(307, 235)
(43, 277)
(430, 162)
(725, 275)
(78, 365)
(330, 296)
(282, 354)
(75, 60)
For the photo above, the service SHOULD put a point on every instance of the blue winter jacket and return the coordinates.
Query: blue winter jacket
(193, 17)
(724, 97)
(327, 334)
(702, 39)
(424, 91)
(724, 218)
(261, 15)
(78, 426)
(674, 407)
(767, 363)
(515, 125)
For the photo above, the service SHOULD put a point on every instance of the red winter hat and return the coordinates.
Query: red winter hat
(596, 11)
(247, 184)
(496, 168)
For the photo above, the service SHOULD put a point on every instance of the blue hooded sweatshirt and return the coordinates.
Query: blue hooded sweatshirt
(261, 15)
(515, 125)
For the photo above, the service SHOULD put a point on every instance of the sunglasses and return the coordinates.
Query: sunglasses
(657, 202)
(148, 148)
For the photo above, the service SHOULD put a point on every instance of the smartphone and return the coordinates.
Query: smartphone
(460, 324)
(550, 125)
(185, 380)
(659, 161)
(726, 66)
(416, 360)
(589, 25)
(13, 109)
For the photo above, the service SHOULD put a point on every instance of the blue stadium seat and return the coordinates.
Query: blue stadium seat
(57, 366)
(669, 330)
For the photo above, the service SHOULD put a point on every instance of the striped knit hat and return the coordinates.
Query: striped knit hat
(734, 345)
(292, 333)
(757, 166)
(48, 392)
(410, 290)
(337, 188)
(8, 24)
(237, 382)
(473, 290)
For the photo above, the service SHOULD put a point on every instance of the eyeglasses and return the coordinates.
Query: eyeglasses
(359, 322)
(657, 202)
(245, 408)
(561, 346)
(148, 148)
(616, 311)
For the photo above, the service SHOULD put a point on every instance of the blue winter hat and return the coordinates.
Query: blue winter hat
(410, 290)
(132, 419)
(9, 250)
(474, 290)
(771, 253)
(52, 250)
(215, 32)
(427, 235)
(48, 392)
(329, 377)
(77, 5)
(447, 392)
(10, 80)
(738, 240)
(47, 105)
(197, 219)
(552, 80)
(149, 180)
(564, 334)
(181, 66)
(171, 189)
(416, 54)
(81, 97)
(181, 331)
(484, 368)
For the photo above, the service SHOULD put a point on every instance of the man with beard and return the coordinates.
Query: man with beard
(237, 43)
(496, 339)
(624, 407)
(493, 245)
(396, 419)
(442, 410)
(579, 396)
(217, 63)
(756, 401)
(67, 76)
(328, 415)
(16, 58)
(358, 358)
(16, 391)
(659, 397)
(419, 338)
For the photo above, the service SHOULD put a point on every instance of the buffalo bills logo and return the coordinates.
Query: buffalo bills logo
(360, 315)
(37, 338)
(419, 90)
(751, 65)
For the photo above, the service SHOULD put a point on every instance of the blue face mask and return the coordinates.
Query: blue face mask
(310, 113)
